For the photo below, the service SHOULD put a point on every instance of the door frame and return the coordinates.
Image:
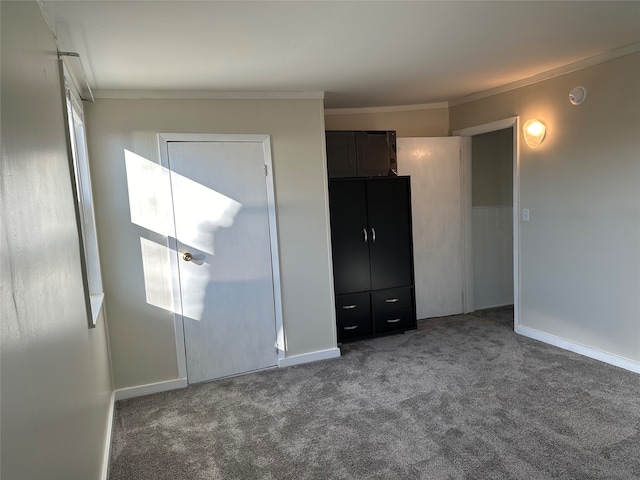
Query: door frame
(265, 141)
(467, 247)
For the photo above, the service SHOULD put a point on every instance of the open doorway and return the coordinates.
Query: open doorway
(492, 218)
(490, 215)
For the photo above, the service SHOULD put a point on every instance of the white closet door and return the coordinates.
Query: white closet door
(224, 257)
(434, 164)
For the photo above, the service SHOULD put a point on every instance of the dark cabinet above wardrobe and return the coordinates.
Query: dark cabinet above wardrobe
(366, 153)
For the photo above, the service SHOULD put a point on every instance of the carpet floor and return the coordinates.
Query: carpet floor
(463, 397)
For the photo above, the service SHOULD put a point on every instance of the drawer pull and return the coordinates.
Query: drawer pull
(391, 300)
(349, 307)
(351, 328)
(395, 320)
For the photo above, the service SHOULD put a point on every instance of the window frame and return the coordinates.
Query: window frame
(83, 196)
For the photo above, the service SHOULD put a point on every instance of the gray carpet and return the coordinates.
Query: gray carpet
(463, 397)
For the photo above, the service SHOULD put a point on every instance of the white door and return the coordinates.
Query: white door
(434, 164)
(219, 193)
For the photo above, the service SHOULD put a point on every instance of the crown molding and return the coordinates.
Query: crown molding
(47, 18)
(556, 72)
(206, 94)
(398, 108)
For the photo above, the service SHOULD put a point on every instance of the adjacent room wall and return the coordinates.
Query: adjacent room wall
(141, 334)
(492, 168)
(423, 122)
(580, 252)
(492, 218)
(56, 385)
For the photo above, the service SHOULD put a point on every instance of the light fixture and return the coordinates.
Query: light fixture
(533, 131)
(577, 95)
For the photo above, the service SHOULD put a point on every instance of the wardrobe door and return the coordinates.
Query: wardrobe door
(389, 212)
(350, 236)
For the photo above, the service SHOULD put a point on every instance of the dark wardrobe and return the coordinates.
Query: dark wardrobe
(372, 255)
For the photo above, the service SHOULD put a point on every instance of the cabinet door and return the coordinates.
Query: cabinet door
(353, 315)
(349, 236)
(341, 154)
(389, 212)
(375, 152)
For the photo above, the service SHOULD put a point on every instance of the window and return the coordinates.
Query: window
(81, 181)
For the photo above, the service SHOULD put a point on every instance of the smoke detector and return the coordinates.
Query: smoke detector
(577, 95)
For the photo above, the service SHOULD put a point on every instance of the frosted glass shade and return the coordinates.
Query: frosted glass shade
(533, 131)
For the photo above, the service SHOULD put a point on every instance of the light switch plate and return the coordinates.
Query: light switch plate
(525, 214)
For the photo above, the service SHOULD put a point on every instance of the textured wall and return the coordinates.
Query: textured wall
(580, 253)
(142, 335)
(56, 386)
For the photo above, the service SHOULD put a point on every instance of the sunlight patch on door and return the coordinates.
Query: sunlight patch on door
(161, 200)
(149, 188)
(200, 211)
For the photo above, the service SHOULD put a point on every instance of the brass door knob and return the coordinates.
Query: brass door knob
(187, 257)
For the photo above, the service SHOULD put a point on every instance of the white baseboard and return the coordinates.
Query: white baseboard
(140, 390)
(605, 357)
(106, 455)
(309, 357)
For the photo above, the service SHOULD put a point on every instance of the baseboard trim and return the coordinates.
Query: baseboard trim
(605, 357)
(141, 390)
(309, 357)
(106, 455)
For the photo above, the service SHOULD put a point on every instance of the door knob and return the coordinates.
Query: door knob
(187, 257)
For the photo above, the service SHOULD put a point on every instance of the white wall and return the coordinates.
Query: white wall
(141, 334)
(492, 237)
(580, 253)
(56, 387)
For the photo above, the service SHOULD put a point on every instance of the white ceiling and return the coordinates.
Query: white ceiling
(361, 54)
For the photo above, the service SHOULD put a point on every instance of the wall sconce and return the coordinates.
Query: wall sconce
(533, 131)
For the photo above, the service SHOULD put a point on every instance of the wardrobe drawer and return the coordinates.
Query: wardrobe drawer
(393, 309)
(353, 315)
